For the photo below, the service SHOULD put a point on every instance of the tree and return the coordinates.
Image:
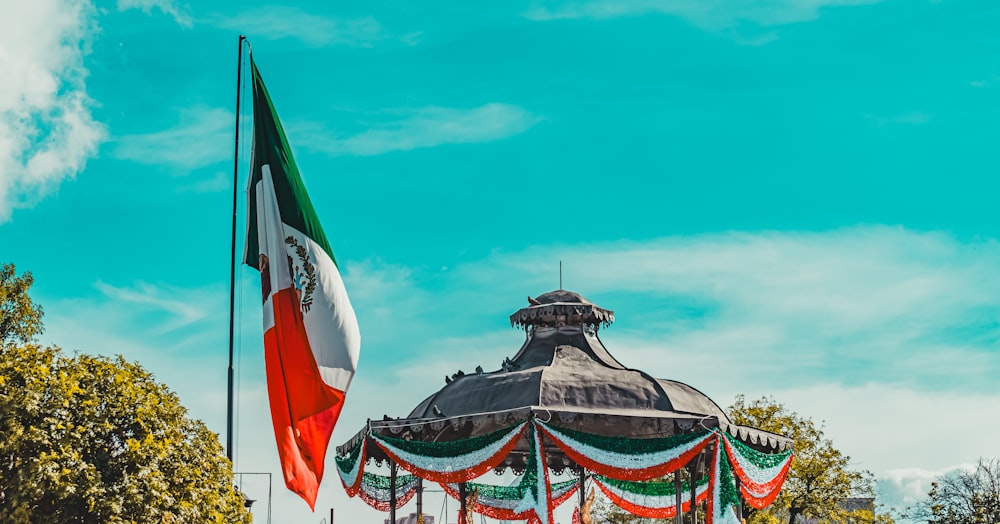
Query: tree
(818, 484)
(964, 497)
(819, 481)
(97, 439)
(20, 317)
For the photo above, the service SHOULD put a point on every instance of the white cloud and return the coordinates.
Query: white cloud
(220, 182)
(277, 22)
(47, 133)
(905, 436)
(846, 302)
(167, 7)
(203, 137)
(712, 15)
(905, 487)
(180, 307)
(425, 127)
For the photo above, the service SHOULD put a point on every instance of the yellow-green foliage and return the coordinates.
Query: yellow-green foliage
(820, 478)
(97, 439)
(20, 318)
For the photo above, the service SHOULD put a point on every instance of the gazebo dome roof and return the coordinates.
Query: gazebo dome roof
(564, 367)
(563, 370)
(595, 415)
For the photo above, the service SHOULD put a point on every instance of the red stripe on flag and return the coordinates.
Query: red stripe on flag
(303, 408)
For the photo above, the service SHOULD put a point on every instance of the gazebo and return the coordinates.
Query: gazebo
(563, 403)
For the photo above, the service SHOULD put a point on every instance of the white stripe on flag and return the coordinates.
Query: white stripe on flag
(331, 324)
(271, 242)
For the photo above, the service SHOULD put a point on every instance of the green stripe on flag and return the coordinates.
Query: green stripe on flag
(270, 147)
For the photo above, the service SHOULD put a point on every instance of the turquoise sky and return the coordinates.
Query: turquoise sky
(780, 197)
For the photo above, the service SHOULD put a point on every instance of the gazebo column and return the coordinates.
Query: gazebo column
(392, 492)
(679, 515)
(461, 508)
(694, 488)
(739, 499)
(420, 500)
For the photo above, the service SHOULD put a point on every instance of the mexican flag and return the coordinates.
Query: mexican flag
(311, 336)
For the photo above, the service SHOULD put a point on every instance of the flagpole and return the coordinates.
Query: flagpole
(232, 260)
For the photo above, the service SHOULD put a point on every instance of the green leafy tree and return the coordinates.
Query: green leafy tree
(963, 497)
(820, 479)
(20, 317)
(818, 484)
(97, 439)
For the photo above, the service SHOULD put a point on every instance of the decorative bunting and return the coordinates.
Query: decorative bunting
(500, 502)
(761, 475)
(623, 470)
(722, 489)
(351, 467)
(375, 490)
(655, 500)
(628, 459)
(536, 475)
(455, 461)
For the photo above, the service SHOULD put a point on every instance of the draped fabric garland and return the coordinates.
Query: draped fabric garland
(538, 499)
(622, 468)
(723, 500)
(376, 490)
(455, 461)
(351, 468)
(761, 475)
(501, 502)
(628, 459)
(655, 500)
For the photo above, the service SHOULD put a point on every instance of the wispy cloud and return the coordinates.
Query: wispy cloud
(904, 487)
(198, 140)
(896, 432)
(176, 332)
(987, 81)
(844, 305)
(911, 118)
(47, 132)
(168, 7)
(220, 182)
(712, 15)
(175, 308)
(853, 306)
(278, 22)
(420, 128)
